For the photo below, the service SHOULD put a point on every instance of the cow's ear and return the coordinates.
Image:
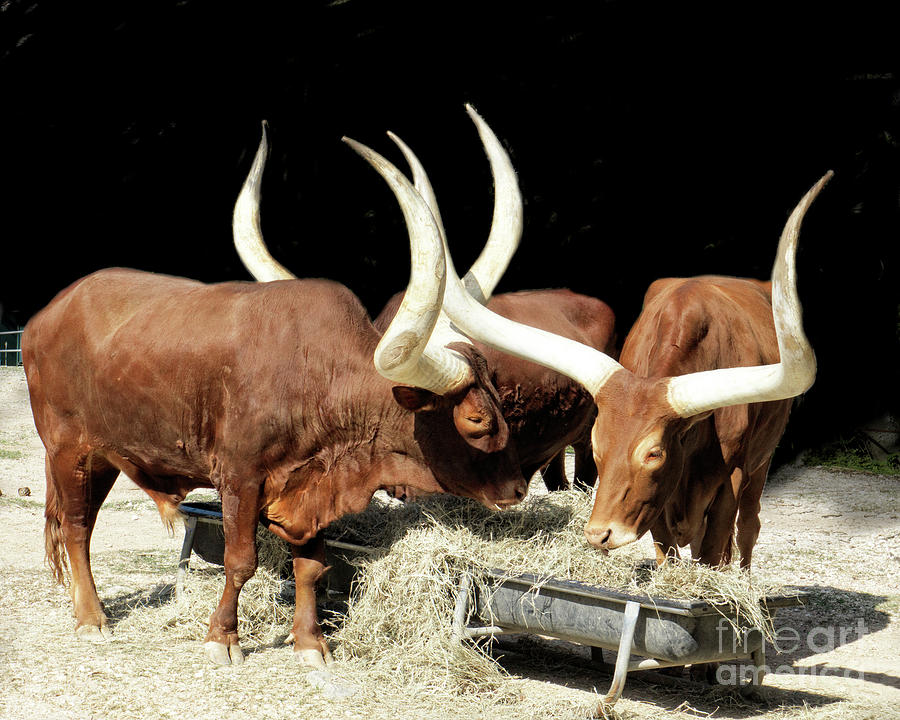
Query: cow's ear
(414, 399)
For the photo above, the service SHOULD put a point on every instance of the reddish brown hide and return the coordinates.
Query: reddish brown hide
(545, 410)
(686, 479)
(266, 392)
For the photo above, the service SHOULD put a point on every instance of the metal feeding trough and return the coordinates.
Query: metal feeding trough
(660, 632)
(644, 632)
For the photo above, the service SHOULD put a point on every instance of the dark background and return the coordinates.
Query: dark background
(127, 129)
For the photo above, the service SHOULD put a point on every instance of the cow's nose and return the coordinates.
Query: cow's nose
(518, 494)
(512, 494)
(597, 537)
(609, 535)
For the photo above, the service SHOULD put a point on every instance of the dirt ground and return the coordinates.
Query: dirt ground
(837, 534)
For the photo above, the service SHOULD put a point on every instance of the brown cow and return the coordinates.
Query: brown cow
(545, 411)
(267, 393)
(693, 324)
(687, 425)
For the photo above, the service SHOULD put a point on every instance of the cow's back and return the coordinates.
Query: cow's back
(694, 324)
(168, 370)
(691, 325)
(574, 316)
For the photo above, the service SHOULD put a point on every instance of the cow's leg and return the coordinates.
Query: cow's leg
(663, 541)
(310, 647)
(240, 516)
(738, 481)
(712, 546)
(748, 513)
(585, 467)
(720, 519)
(77, 484)
(554, 472)
(698, 539)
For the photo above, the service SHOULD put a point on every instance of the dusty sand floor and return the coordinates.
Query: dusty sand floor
(836, 533)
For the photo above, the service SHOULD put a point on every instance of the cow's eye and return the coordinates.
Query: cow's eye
(656, 453)
(475, 420)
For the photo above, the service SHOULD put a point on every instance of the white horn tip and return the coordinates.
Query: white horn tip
(404, 148)
(821, 183)
(357, 146)
(264, 140)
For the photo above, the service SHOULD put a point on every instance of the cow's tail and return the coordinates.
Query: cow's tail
(54, 544)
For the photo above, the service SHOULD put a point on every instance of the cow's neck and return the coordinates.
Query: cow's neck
(364, 430)
(361, 446)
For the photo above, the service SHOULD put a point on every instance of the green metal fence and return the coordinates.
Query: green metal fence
(11, 347)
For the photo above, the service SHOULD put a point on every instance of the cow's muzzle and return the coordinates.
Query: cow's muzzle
(511, 495)
(610, 536)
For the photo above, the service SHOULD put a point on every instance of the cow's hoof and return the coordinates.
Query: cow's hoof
(237, 655)
(221, 654)
(312, 658)
(94, 634)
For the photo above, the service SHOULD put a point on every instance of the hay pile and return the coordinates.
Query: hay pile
(399, 617)
(396, 630)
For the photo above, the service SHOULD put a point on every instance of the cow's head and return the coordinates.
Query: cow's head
(475, 459)
(441, 376)
(641, 427)
(638, 445)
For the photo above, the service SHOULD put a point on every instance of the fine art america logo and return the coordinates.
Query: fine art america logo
(820, 639)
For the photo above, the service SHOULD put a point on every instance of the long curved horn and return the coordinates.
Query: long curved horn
(506, 224)
(486, 271)
(507, 221)
(399, 357)
(409, 352)
(245, 225)
(699, 392)
(582, 363)
(422, 185)
(462, 302)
